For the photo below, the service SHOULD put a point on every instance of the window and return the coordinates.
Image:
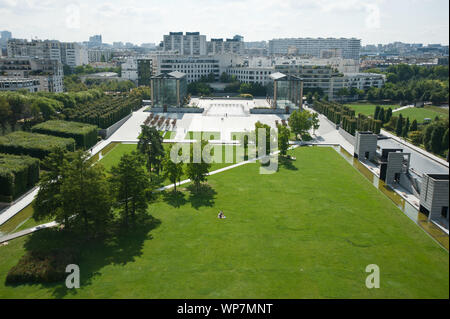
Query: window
(444, 212)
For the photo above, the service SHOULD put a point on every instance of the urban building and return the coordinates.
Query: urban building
(49, 72)
(98, 55)
(218, 46)
(68, 53)
(191, 43)
(138, 69)
(365, 146)
(169, 89)
(349, 48)
(16, 83)
(4, 37)
(434, 197)
(195, 67)
(95, 41)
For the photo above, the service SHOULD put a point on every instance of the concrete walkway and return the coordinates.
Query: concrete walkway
(415, 148)
(27, 231)
(402, 108)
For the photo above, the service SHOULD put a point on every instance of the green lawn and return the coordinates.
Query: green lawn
(205, 135)
(419, 114)
(113, 157)
(367, 108)
(308, 231)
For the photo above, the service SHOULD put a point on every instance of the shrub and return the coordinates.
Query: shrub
(42, 267)
(33, 144)
(85, 135)
(17, 175)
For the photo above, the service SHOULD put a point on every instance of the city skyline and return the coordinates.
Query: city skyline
(373, 22)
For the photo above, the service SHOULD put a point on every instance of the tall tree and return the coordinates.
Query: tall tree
(48, 202)
(413, 126)
(283, 139)
(315, 122)
(173, 171)
(197, 172)
(150, 145)
(399, 126)
(5, 113)
(85, 194)
(129, 184)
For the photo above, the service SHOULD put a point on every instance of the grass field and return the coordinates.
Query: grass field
(113, 157)
(419, 114)
(368, 109)
(308, 231)
(170, 135)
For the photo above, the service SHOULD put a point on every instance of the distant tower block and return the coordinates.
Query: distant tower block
(365, 146)
(434, 197)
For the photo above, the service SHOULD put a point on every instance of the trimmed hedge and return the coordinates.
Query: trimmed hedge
(42, 267)
(345, 117)
(33, 144)
(18, 174)
(85, 135)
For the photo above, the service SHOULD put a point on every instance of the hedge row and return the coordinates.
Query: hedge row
(85, 135)
(345, 117)
(104, 112)
(17, 175)
(42, 267)
(33, 144)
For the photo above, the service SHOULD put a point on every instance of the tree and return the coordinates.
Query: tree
(381, 115)
(445, 140)
(129, 184)
(85, 194)
(388, 115)
(300, 122)
(5, 113)
(405, 128)
(413, 125)
(416, 137)
(197, 172)
(150, 145)
(283, 139)
(377, 112)
(436, 139)
(399, 126)
(315, 122)
(173, 171)
(48, 203)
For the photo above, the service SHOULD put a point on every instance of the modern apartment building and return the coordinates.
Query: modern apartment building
(98, 55)
(48, 72)
(15, 83)
(68, 53)
(191, 43)
(195, 67)
(348, 48)
(259, 75)
(218, 46)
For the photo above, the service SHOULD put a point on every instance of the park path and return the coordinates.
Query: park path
(403, 108)
(24, 232)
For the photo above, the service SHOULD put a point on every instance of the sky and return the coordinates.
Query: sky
(372, 21)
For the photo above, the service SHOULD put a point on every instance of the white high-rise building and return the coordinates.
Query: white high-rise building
(191, 43)
(348, 48)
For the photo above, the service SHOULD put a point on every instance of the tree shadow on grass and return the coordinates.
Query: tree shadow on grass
(287, 163)
(119, 247)
(204, 196)
(175, 199)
